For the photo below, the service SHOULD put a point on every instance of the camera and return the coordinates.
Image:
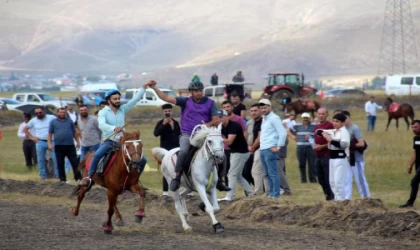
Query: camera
(167, 115)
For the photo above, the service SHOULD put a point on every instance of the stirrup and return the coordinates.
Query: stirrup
(175, 183)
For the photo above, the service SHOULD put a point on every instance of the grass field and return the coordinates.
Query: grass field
(386, 163)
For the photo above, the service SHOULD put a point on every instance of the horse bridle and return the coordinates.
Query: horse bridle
(130, 156)
(209, 150)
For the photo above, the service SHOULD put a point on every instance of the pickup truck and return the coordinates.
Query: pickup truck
(42, 99)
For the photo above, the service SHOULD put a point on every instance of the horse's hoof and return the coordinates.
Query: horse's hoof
(107, 231)
(107, 228)
(218, 228)
(139, 218)
(120, 223)
(74, 211)
(202, 207)
(188, 229)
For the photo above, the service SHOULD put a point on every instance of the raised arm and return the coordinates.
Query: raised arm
(152, 84)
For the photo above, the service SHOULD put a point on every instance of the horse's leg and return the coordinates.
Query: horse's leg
(118, 217)
(136, 188)
(112, 202)
(184, 204)
(387, 125)
(406, 121)
(201, 189)
(80, 196)
(180, 209)
(396, 119)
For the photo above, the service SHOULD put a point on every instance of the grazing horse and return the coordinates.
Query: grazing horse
(122, 175)
(203, 170)
(397, 111)
(300, 107)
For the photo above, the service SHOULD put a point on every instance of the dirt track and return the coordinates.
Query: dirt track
(250, 224)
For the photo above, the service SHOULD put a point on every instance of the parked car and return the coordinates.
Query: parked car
(10, 103)
(220, 93)
(93, 93)
(344, 93)
(401, 85)
(43, 99)
(150, 98)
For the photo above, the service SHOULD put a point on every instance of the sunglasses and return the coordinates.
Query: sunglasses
(38, 113)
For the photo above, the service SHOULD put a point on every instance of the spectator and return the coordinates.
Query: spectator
(338, 144)
(302, 132)
(254, 131)
(73, 115)
(289, 122)
(214, 79)
(40, 125)
(79, 99)
(414, 161)
(63, 130)
(239, 108)
(87, 100)
(322, 159)
(357, 159)
(196, 78)
(29, 150)
(285, 99)
(102, 104)
(370, 109)
(227, 106)
(169, 131)
(90, 134)
(281, 164)
(234, 138)
(337, 111)
(98, 99)
(238, 77)
(273, 136)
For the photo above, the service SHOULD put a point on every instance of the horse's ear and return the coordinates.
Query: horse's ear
(138, 133)
(219, 127)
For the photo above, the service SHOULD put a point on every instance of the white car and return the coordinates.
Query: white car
(10, 103)
(150, 98)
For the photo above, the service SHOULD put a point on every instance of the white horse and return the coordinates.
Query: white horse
(203, 172)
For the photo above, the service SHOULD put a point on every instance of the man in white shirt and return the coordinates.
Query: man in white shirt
(289, 122)
(29, 150)
(370, 109)
(73, 115)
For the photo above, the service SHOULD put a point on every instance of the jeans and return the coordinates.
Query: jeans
(69, 151)
(322, 165)
(184, 148)
(269, 164)
(360, 177)
(84, 150)
(371, 122)
(41, 150)
(105, 147)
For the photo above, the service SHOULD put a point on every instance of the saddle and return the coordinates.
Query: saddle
(105, 162)
(393, 107)
(187, 165)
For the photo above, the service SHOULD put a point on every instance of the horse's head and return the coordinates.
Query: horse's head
(388, 102)
(214, 144)
(132, 147)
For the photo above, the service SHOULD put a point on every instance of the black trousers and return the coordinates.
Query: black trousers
(165, 184)
(226, 166)
(246, 173)
(414, 186)
(322, 165)
(29, 151)
(69, 151)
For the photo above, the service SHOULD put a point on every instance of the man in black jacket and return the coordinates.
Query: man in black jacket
(169, 131)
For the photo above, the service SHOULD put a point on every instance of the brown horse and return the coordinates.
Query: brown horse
(396, 112)
(300, 107)
(122, 175)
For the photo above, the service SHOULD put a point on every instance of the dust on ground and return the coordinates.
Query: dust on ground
(251, 223)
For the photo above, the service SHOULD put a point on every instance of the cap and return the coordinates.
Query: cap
(222, 112)
(263, 102)
(305, 115)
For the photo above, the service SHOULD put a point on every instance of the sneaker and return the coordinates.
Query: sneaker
(287, 193)
(281, 191)
(225, 199)
(406, 206)
(174, 185)
(165, 193)
(65, 182)
(221, 187)
(191, 194)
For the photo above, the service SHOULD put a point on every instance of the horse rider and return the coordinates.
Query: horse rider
(196, 109)
(111, 121)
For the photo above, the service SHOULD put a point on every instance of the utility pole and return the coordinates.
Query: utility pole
(398, 54)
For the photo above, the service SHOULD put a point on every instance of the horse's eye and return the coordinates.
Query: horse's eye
(210, 141)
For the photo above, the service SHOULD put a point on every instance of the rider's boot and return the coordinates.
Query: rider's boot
(87, 182)
(175, 183)
(220, 186)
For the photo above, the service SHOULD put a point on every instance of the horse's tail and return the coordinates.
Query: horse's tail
(158, 154)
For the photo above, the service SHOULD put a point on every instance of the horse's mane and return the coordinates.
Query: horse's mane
(199, 135)
(389, 99)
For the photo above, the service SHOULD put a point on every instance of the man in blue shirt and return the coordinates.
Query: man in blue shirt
(111, 121)
(272, 137)
(41, 124)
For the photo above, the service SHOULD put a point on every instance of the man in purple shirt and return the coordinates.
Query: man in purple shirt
(196, 109)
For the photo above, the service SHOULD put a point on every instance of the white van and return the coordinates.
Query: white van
(401, 85)
(98, 86)
(150, 98)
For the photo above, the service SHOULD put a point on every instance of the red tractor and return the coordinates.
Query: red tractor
(281, 85)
